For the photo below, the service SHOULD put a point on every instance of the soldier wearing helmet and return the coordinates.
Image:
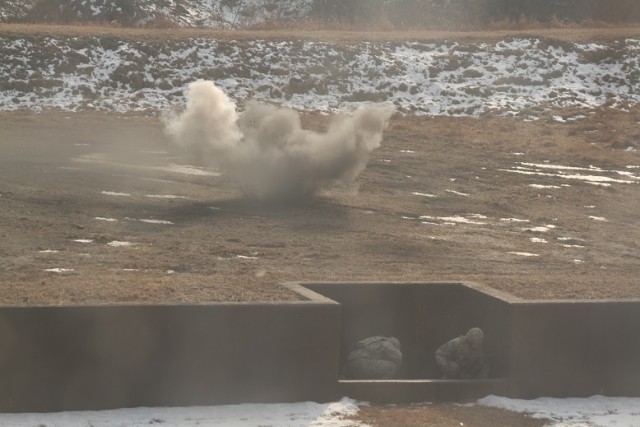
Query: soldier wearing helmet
(463, 357)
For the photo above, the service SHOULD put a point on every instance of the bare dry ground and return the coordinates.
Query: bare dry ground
(488, 199)
(444, 415)
(443, 199)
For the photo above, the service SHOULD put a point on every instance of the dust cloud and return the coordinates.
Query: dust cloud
(266, 151)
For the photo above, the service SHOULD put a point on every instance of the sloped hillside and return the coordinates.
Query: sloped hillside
(358, 14)
(125, 12)
(162, 13)
(520, 76)
(15, 10)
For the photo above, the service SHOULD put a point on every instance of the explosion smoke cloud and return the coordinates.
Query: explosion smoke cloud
(266, 150)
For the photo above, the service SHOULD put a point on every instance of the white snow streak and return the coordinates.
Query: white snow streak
(594, 411)
(303, 414)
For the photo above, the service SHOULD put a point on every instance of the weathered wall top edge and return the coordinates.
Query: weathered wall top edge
(477, 287)
(428, 381)
(577, 302)
(231, 304)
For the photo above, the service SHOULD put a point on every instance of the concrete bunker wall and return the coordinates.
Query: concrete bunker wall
(422, 316)
(575, 348)
(536, 348)
(100, 357)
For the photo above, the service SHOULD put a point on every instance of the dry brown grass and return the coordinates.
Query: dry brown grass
(342, 238)
(443, 415)
(338, 36)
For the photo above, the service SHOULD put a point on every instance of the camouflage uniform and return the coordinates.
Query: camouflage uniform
(463, 357)
(375, 358)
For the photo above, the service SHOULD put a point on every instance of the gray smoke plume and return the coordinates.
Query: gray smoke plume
(266, 151)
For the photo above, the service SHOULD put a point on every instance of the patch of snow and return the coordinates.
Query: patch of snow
(627, 174)
(49, 251)
(594, 411)
(562, 119)
(118, 243)
(457, 193)
(300, 414)
(165, 196)
(538, 240)
(453, 219)
(116, 193)
(598, 218)
(189, 170)
(83, 240)
(560, 171)
(59, 270)
(541, 186)
(155, 221)
(100, 218)
(524, 254)
(416, 193)
(540, 229)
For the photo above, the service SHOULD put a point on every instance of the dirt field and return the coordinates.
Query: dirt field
(444, 415)
(110, 204)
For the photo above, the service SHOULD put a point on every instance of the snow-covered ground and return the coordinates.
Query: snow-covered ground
(519, 76)
(183, 13)
(596, 411)
(285, 414)
(14, 9)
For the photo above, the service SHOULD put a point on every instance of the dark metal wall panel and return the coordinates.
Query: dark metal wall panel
(575, 349)
(72, 358)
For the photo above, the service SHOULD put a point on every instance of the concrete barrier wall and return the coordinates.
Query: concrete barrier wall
(561, 348)
(370, 309)
(76, 358)
(422, 316)
(575, 349)
(99, 357)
